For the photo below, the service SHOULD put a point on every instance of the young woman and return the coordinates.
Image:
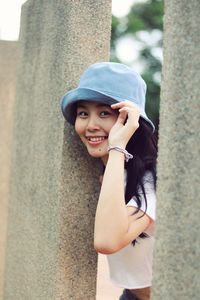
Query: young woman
(108, 111)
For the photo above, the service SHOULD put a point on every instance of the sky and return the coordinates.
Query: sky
(10, 11)
(10, 15)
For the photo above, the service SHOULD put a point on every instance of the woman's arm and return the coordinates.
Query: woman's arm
(114, 227)
(115, 224)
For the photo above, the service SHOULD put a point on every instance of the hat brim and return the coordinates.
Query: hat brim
(70, 99)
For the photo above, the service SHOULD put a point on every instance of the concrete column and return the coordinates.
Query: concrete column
(54, 184)
(8, 59)
(177, 250)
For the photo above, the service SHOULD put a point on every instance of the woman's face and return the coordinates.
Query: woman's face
(93, 123)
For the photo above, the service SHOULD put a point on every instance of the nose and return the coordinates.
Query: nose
(93, 124)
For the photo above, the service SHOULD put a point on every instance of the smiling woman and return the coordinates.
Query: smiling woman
(108, 112)
(93, 124)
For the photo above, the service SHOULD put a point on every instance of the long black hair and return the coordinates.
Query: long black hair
(143, 146)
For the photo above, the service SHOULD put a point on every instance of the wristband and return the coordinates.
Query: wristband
(126, 153)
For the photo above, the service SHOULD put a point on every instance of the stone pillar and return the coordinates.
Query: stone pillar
(54, 182)
(8, 59)
(177, 250)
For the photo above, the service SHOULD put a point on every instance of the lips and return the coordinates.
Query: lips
(96, 140)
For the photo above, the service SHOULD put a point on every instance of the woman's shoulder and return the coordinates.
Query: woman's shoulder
(147, 195)
(148, 177)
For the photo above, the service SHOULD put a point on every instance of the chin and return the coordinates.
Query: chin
(96, 153)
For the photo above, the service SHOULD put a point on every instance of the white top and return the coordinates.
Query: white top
(131, 267)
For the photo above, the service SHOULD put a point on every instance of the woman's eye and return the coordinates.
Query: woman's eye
(104, 113)
(82, 114)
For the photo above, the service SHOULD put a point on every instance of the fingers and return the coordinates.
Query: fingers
(122, 116)
(124, 103)
(126, 124)
(127, 108)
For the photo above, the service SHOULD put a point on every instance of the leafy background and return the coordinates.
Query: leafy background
(142, 28)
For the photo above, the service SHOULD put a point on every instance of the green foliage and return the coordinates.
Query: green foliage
(149, 13)
(146, 16)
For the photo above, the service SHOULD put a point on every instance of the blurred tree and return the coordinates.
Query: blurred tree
(144, 25)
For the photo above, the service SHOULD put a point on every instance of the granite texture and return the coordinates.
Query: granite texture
(177, 251)
(8, 64)
(54, 184)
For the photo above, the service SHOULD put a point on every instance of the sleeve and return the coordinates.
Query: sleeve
(150, 196)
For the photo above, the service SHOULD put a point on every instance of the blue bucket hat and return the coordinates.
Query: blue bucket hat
(109, 83)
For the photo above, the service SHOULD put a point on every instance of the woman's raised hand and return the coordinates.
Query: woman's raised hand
(122, 131)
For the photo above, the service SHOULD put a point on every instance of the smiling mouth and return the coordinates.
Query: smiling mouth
(96, 139)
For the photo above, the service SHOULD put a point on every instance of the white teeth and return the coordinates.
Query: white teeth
(96, 139)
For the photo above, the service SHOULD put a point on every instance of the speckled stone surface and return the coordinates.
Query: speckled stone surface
(54, 184)
(177, 250)
(8, 64)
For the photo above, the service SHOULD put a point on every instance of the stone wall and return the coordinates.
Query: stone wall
(177, 251)
(53, 197)
(8, 63)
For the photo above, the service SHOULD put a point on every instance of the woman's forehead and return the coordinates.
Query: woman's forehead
(84, 103)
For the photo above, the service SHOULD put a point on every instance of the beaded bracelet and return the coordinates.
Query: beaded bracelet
(126, 153)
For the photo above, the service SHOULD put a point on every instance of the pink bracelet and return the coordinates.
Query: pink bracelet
(126, 153)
